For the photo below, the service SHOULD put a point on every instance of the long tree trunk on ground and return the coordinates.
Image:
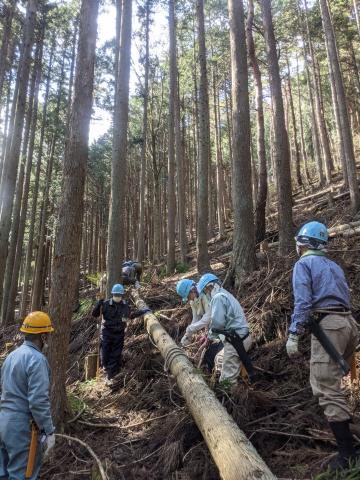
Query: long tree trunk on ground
(10, 168)
(260, 224)
(281, 144)
(243, 257)
(115, 251)
(67, 249)
(334, 62)
(171, 201)
(141, 232)
(203, 263)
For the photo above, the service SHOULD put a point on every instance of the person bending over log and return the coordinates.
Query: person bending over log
(200, 308)
(131, 273)
(227, 318)
(322, 307)
(115, 311)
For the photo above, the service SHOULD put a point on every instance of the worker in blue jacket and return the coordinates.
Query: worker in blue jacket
(25, 405)
(321, 292)
(115, 313)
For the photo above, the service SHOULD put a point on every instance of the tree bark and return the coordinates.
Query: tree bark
(203, 263)
(243, 257)
(281, 144)
(295, 131)
(357, 14)
(171, 200)
(12, 157)
(260, 222)
(29, 250)
(324, 139)
(333, 59)
(66, 259)
(179, 150)
(21, 201)
(115, 253)
(8, 10)
(141, 232)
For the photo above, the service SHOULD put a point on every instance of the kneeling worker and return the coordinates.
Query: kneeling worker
(322, 306)
(26, 425)
(114, 313)
(228, 319)
(200, 308)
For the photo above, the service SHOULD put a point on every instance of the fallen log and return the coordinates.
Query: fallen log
(234, 455)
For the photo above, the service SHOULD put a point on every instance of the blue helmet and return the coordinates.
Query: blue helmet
(313, 234)
(183, 288)
(204, 280)
(117, 289)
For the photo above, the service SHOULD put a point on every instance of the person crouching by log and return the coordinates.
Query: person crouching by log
(115, 311)
(200, 308)
(227, 318)
(131, 273)
(322, 307)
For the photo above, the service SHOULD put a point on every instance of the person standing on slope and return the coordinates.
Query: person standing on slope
(26, 426)
(321, 295)
(115, 311)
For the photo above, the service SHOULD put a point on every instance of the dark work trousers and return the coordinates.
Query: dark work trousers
(211, 352)
(112, 343)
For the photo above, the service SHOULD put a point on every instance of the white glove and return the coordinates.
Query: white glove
(185, 341)
(137, 285)
(292, 345)
(49, 444)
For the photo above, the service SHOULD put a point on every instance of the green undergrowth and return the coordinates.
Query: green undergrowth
(94, 277)
(352, 473)
(77, 404)
(85, 306)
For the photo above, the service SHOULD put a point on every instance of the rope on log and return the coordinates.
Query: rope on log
(232, 452)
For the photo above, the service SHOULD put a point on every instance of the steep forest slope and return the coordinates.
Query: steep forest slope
(142, 429)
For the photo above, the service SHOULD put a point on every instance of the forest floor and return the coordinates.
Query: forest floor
(142, 429)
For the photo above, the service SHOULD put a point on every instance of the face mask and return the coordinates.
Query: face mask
(45, 345)
(214, 290)
(298, 251)
(117, 299)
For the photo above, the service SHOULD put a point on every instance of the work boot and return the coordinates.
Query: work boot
(344, 439)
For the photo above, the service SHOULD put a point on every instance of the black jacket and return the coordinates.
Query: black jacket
(114, 313)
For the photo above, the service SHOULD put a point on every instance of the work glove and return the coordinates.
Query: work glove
(185, 341)
(137, 285)
(292, 345)
(49, 444)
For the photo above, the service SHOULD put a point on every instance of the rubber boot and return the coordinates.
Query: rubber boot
(344, 439)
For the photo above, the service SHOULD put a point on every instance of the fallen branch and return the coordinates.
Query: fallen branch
(89, 449)
(116, 425)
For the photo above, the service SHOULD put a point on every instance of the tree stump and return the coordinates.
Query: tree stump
(91, 364)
